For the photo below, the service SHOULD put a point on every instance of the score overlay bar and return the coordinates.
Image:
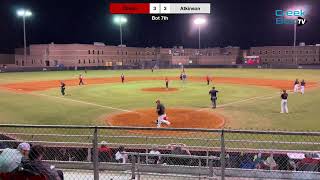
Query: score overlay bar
(160, 8)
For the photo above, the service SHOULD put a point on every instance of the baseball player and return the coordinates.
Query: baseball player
(181, 76)
(284, 102)
(213, 94)
(296, 86)
(62, 88)
(81, 80)
(184, 77)
(208, 80)
(167, 82)
(302, 85)
(162, 117)
(122, 78)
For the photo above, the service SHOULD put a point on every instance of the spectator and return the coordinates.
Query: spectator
(121, 155)
(246, 163)
(178, 150)
(37, 166)
(270, 163)
(308, 163)
(257, 160)
(154, 159)
(11, 158)
(105, 153)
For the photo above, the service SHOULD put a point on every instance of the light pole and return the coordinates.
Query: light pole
(24, 13)
(120, 20)
(294, 41)
(199, 22)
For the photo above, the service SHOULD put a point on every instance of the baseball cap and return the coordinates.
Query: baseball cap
(24, 146)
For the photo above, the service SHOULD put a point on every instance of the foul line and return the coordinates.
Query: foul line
(84, 102)
(244, 100)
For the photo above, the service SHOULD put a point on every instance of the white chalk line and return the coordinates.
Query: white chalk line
(84, 102)
(244, 100)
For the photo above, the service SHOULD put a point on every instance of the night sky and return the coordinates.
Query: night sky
(241, 23)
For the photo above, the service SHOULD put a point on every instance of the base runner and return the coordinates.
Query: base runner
(162, 117)
(284, 102)
(62, 88)
(302, 86)
(296, 86)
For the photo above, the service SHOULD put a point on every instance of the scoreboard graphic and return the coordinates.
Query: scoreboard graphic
(160, 8)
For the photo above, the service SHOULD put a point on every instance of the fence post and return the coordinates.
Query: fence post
(222, 155)
(95, 154)
(133, 167)
(211, 173)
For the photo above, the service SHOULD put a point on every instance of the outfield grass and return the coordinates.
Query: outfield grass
(255, 114)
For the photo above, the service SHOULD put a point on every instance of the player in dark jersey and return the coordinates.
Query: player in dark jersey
(167, 82)
(302, 86)
(284, 102)
(213, 94)
(81, 80)
(162, 117)
(208, 80)
(122, 78)
(62, 88)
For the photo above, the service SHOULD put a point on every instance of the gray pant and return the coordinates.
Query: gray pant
(214, 102)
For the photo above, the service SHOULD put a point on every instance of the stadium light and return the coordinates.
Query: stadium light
(199, 21)
(120, 20)
(24, 13)
(296, 8)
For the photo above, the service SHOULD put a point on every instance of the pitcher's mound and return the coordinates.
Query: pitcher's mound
(179, 118)
(160, 89)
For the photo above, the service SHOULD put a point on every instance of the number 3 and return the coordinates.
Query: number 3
(154, 8)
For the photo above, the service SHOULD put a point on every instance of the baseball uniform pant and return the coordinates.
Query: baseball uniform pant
(284, 106)
(302, 89)
(162, 120)
(296, 88)
(214, 102)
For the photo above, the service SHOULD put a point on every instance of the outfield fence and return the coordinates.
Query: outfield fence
(96, 152)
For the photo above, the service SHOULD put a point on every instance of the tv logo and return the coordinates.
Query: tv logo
(301, 21)
(290, 17)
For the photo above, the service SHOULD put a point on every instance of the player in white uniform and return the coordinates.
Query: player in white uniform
(284, 102)
(296, 86)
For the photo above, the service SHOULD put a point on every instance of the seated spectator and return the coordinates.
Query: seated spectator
(11, 158)
(270, 163)
(247, 163)
(35, 164)
(179, 150)
(105, 153)
(257, 160)
(154, 159)
(308, 163)
(121, 155)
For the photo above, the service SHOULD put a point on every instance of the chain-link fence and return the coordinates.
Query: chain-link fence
(116, 153)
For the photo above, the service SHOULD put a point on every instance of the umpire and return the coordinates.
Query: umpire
(213, 94)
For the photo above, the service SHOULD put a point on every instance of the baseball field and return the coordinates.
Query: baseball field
(247, 98)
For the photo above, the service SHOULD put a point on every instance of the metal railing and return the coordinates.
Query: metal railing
(97, 152)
